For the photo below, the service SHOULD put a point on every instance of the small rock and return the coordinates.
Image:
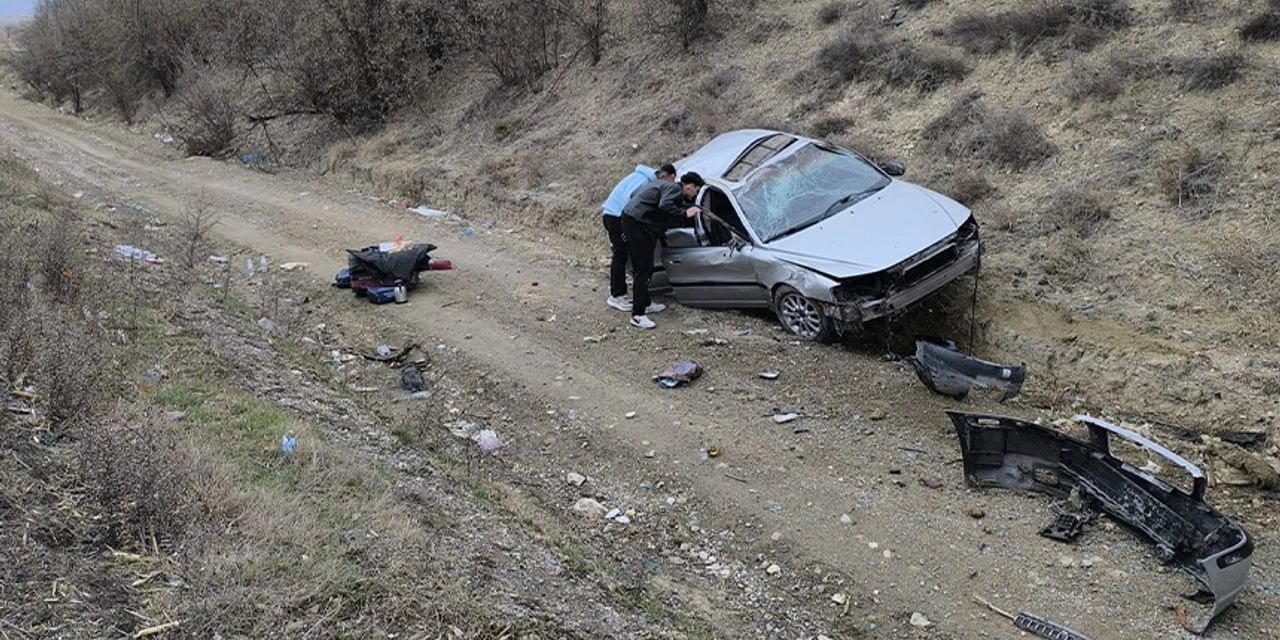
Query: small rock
(775, 536)
(888, 555)
(622, 519)
(839, 598)
(918, 620)
(1066, 561)
(589, 507)
(773, 570)
(267, 325)
(783, 418)
(977, 511)
(575, 479)
(629, 415)
(931, 482)
(176, 415)
(769, 375)
(613, 513)
(878, 414)
(651, 454)
(846, 519)
(675, 560)
(895, 470)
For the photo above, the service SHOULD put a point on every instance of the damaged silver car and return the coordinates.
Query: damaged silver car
(819, 234)
(1187, 532)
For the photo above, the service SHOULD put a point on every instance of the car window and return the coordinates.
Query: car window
(803, 188)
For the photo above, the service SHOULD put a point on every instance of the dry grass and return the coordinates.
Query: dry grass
(1003, 138)
(966, 186)
(864, 54)
(1103, 81)
(1190, 178)
(1077, 208)
(1206, 73)
(1069, 24)
(1262, 27)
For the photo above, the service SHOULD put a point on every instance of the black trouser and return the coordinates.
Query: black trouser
(618, 260)
(641, 244)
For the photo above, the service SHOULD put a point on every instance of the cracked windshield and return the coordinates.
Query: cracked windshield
(804, 188)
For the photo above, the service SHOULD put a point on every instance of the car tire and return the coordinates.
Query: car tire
(802, 316)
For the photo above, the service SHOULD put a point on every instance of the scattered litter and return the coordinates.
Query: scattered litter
(629, 415)
(613, 513)
(428, 212)
(801, 431)
(846, 519)
(130, 252)
(773, 570)
(651, 454)
(262, 264)
(488, 225)
(420, 395)
(931, 482)
(839, 598)
(463, 428)
(267, 325)
(469, 232)
(390, 354)
(714, 342)
(294, 266)
(488, 441)
(575, 479)
(768, 375)
(288, 443)
(681, 372)
(218, 259)
(165, 137)
(175, 416)
(745, 332)
(945, 371)
(783, 418)
(703, 455)
(1034, 624)
(713, 452)
(919, 620)
(248, 268)
(696, 332)
(411, 380)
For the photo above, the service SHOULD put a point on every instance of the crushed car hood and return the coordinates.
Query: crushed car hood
(875, 233)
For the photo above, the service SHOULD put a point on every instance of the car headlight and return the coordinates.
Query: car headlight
(968, 230)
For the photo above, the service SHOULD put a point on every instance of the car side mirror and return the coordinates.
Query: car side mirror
(681, 238)
(894, 168)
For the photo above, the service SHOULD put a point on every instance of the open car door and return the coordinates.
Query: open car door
(709, 265)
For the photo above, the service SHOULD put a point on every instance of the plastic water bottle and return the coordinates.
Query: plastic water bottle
(262, 264)
(248, 266)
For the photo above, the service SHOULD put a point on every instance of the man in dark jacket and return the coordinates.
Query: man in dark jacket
(652, 210)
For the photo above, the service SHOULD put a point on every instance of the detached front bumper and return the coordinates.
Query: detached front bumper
(902, 296)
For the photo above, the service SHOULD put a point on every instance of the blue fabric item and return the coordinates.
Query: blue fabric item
(343, 279)
(381, 295)
(621, 194)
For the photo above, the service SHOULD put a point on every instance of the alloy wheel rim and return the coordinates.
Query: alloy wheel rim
(801, 316)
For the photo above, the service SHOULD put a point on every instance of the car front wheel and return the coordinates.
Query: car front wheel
(802, 316)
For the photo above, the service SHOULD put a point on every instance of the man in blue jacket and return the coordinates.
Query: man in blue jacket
(612, 210)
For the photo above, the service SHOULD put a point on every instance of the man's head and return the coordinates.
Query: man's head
(690, 183)
(666, 172)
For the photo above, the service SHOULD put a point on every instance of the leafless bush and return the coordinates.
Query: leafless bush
(1207, 73)
(864, 53)
(136, 477)
(716, 84)
(691, 17)
(1102, 81)
(195, 226)
(1185, 8)
(832, 11)
(1262, 27)
(71, 372)
(1004, 138)
(60, 264)
(1077, 208)
(829, 126)
(207, 113)
(520, 40)
(1190, 178)
(1070, 24)
(966, 186)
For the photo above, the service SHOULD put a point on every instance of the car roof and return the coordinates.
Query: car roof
(715, 160)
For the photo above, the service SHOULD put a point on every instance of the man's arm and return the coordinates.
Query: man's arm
(672, 204)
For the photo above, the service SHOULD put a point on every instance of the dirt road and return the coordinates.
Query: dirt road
(778, 494)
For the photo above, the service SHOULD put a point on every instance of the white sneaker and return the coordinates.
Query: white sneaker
(621, 303)
(642, 322)
(655, 307)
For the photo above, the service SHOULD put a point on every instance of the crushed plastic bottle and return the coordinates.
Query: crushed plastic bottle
(288, 443)
(469, 232)
(248, 266)
(262, 264)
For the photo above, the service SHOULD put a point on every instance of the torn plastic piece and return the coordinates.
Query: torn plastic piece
(1015, 454)
(681, 372)
(130, 252)
(946, 371)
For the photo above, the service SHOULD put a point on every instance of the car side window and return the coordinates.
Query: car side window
(719, 204)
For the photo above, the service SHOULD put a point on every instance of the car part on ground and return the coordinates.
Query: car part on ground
(945, 370)
(1036, 625)
(814, 232)
(680, 372)
(1015, 454)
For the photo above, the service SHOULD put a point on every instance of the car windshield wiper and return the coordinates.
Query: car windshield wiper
(794, 228)
(849, 199)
